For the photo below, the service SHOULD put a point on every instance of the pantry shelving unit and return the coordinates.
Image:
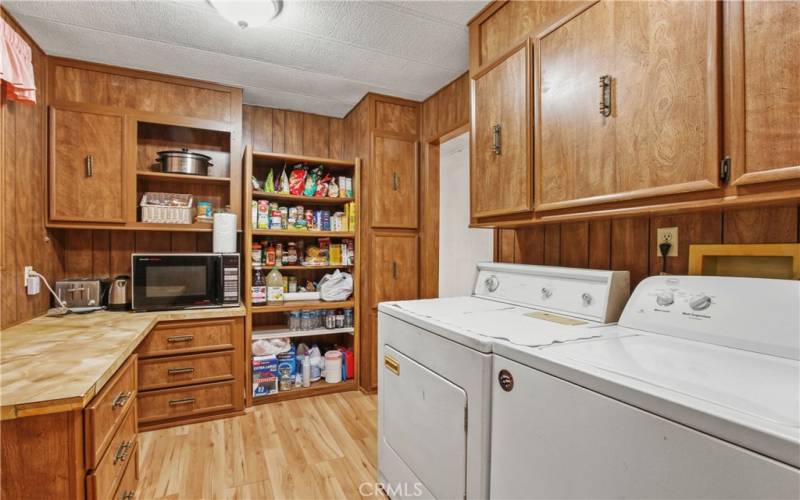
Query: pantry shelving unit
(268, 321)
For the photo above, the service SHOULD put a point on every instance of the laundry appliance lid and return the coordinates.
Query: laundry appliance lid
(744, 397)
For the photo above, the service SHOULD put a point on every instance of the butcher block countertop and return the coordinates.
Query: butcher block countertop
(50, 365)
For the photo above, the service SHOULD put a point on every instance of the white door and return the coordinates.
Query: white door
(424, 423)
(553, 439)
(460, 247)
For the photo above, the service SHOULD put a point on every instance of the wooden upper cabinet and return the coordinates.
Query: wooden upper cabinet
(500, 176)
(661, 133)
(763, 89)
(396, 261)
(575, 146)
(503, 24)
(86, 166)
(394, 183)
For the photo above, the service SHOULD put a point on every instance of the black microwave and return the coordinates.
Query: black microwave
(164, 281)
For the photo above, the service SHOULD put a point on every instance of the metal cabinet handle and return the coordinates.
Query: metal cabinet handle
(395, 181)
(391, 364)
(184, 401)
(89, 165)
(605, 95)
(120, 400)
(394, 270)
(180, 338)
(127, 495)
(122, 452)
(497, 146)
(174, 371)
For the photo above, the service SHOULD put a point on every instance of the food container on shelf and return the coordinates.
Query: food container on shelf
(166, 208)
(184, 162)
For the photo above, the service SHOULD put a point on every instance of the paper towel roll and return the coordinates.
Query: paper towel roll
(224, 233)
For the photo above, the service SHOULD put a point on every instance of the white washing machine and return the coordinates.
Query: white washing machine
(435, 368)
(694, 394)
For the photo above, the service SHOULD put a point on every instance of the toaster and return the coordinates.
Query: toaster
(84, 292)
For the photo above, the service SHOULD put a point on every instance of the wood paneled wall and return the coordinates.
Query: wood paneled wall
(444, 113)
(293, 132)
(102, 253)
(630, 243)
(25, 241)
(446, 110)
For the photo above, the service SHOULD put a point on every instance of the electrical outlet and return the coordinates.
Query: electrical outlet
(667, 235)
(26, 273)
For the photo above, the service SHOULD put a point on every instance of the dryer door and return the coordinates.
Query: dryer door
(424, 423)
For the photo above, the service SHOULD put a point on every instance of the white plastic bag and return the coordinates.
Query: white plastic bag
(336, 286)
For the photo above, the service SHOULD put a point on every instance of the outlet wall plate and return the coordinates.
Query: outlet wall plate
(667, 235)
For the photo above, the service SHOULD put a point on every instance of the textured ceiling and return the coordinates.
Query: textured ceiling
(316, 56)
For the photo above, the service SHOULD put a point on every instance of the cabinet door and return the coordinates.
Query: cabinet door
(666, 97)
(86, 167)
(575, 143)
(395, 267)
(394, 182)
(660, 133)
(764, 91)
(501, 180)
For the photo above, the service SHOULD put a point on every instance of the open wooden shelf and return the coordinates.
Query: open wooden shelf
(297, 305)
(279, 332)
(295, 159)
(197, 227)
(308, 268)
(317, 388)
(264, 321)
(182, 178)
(307, 200)
(303, 234)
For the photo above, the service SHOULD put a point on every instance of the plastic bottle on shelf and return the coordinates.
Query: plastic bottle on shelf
(259, 288)
(274, 287)
(306, 371)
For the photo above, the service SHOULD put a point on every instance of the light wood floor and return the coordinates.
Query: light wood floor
(314, 448)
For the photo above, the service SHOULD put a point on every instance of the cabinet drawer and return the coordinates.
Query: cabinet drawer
(103, 481)
(187, 401)
(105, 412)
(182, 337)
(130, 478)
(173, 371)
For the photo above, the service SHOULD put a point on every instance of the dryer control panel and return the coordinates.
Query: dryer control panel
(761, 315)
(583, 293)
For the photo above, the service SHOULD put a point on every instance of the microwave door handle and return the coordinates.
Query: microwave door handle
(219, 272)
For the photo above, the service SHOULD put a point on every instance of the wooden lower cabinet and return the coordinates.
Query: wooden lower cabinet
(105, 413)
(78, 454)
(130, 478)
(103, 481)
(395, 266)
(183, 402)
(191, 370)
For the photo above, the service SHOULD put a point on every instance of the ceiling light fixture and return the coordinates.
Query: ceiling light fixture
(247, 13)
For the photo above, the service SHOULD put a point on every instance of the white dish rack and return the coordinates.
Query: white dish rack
(166, 208)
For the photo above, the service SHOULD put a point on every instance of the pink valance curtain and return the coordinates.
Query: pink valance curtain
(16, 66)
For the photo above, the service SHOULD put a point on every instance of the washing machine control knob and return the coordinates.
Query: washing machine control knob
(547, 292)
(506, 380)
(491, 283)
(699, 302)
(665, 299)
